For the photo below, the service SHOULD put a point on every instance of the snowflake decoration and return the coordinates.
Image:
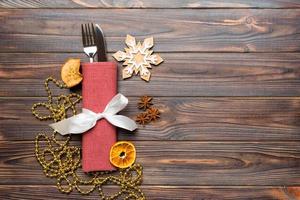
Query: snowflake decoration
(138, 58)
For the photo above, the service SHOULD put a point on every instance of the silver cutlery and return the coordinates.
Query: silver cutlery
(88, 40)
(100, 42)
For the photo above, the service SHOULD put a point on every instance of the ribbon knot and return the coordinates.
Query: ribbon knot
(100, 116)
(87, 119)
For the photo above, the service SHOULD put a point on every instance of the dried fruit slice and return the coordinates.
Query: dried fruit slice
(70, 72)
(122, 154)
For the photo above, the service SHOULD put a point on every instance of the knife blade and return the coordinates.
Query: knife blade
(100, 42)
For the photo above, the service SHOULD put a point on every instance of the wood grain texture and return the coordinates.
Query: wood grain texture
(37, 192)
(180, 163)
(188, 74)
(182, 118)
(149, 4)
(174, 30)
(230, 121)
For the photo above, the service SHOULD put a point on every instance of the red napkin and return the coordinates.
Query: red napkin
(99, 86)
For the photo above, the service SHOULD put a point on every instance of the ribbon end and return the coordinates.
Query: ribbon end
(60, 130)
(133, 128)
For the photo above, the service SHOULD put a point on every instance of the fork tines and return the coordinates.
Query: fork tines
(88, 35)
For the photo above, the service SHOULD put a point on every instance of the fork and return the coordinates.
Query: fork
(89, 44)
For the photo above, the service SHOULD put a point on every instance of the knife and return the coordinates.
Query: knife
(100, 42)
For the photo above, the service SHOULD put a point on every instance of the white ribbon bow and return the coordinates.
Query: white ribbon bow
(87, 119)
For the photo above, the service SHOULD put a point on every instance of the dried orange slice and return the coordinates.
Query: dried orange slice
(70, 72)
(122, 154)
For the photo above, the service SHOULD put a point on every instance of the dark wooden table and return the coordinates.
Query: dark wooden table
(229, 93)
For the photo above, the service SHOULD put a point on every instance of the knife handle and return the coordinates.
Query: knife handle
(101, 56)
(101, 46)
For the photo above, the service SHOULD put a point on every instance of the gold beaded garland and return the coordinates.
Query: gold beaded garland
(61, 161)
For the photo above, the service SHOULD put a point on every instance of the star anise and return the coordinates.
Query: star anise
(145, 102)
(153, 114)
(142, 118)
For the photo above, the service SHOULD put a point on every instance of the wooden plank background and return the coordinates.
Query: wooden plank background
(229, 92)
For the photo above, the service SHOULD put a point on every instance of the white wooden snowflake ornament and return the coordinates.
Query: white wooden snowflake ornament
(138, 58)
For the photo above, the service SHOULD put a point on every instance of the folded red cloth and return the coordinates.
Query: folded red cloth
(99, 86)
